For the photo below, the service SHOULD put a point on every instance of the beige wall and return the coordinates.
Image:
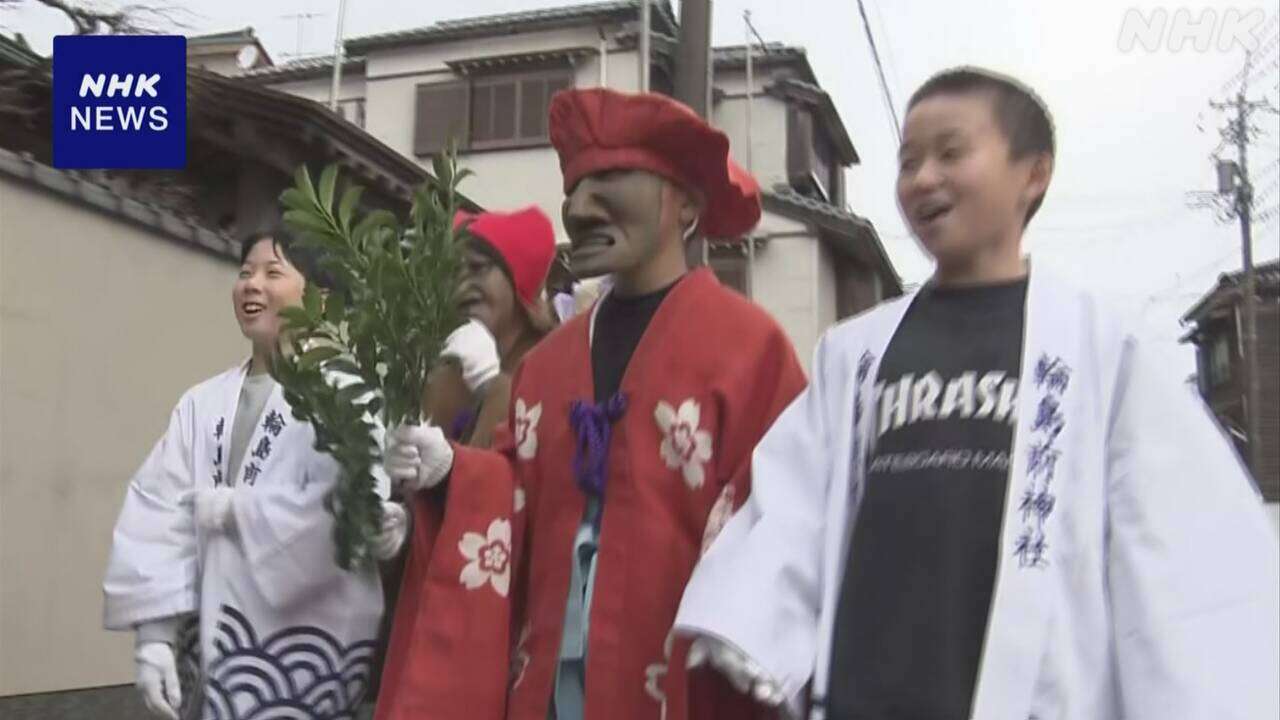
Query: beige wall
(317, 89)
(102, 327)
(785, 281)
(768, 127)
(826, 296)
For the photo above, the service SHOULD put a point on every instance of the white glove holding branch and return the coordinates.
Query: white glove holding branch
(475, 349)
(213, 510)
(417, 457)
(158, 679)
(395, 529)
(742, 672)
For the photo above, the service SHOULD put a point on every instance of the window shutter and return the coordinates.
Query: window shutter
(533, 108)
(799, 146)
(504, 111)
(442, 111)
(481, 114)
(555, 85)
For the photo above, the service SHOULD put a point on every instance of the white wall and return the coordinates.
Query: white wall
(1273, 511)
(826, 295)
(352, 87)
(104, 325)
(768, 134)
(785, 281)
(508, 179)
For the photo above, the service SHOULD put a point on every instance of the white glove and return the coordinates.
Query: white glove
(158, 678)
(417, 457)
(475, 349)
(213, 510)
(742, 672)
(395, 529)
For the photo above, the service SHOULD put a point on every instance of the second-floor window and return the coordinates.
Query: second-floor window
(487, 111)
(812, 166)
(1219, 361)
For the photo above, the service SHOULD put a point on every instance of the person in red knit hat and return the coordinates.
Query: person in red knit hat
(631, 431)
(507, 259)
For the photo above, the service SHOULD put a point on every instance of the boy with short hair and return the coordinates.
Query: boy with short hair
(994, 500)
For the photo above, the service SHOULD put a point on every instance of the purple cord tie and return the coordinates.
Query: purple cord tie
(591, 423)
(460, 424)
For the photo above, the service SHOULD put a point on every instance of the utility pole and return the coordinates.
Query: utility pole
(751, 37)
(693, 84)
(646, 52)
(335, 88)
(693, 57)
(1235, 187)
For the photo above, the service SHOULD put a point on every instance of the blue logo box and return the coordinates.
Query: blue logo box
(120, 101)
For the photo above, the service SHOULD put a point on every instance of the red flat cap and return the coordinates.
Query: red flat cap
(598, 129)
(525, 241)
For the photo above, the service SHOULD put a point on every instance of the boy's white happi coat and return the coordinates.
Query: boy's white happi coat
(282, 632)
(1137, 575)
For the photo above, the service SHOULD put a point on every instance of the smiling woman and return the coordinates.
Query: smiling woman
(224, 537)
(273, 274)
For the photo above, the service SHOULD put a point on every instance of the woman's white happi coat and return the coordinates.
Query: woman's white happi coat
(1137, 575)
(283, 632)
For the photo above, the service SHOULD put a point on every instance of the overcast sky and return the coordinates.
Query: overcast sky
(1129, 145)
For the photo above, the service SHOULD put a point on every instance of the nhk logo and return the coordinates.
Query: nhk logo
(120, 101)
(102, 117)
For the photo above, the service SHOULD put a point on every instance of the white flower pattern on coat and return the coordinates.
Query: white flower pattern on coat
(526, 429)
(488, 558)
(685, 446)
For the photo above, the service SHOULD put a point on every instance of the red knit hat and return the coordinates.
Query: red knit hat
(525, 242)
(599, 129)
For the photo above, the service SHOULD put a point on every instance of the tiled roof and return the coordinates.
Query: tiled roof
(77, 188)
(513, 22)
(730, 55)
(241, 35)
(1266, 278)
(15, 51)
(303, 67)
(812, 95)
(859, 236)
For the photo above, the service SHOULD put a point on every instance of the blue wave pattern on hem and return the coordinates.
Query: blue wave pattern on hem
(298, 673)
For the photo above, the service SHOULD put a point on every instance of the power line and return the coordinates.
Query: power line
(883, 28)
(884, 85)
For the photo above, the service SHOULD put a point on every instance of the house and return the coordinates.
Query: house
(486, 83)
(114, 299)
(227, 53)
(1215, 323)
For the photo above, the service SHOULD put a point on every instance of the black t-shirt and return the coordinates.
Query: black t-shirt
(620, 323)
(917, 589)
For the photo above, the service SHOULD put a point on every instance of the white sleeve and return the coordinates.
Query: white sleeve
(758, 588)
(1192, 563)
(152, 570)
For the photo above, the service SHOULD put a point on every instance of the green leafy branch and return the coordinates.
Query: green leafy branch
(363, 349)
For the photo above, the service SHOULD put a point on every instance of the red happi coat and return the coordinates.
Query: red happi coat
(707, 379)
